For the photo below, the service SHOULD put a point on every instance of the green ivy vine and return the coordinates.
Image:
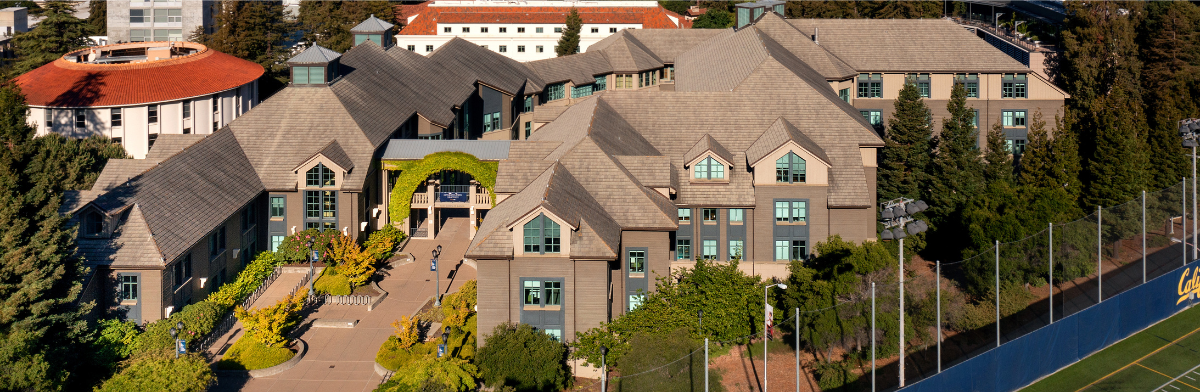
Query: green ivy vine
(412, 173)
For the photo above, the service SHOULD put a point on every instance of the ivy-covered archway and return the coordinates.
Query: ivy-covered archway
(412, 173)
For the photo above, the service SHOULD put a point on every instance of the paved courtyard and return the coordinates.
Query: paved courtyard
(342, 359)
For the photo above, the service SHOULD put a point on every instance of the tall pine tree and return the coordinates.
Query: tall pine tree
(568, 44)
(1170, 51)
(97, 19)
(57, 34)
(255, 31)
(328, 23)
(904, 160)
(956, 172)
(1048, 174)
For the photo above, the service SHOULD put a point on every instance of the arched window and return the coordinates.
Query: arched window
(320, 176)
(93, 223)
(710, 169)
(542, 235)
(789, 169)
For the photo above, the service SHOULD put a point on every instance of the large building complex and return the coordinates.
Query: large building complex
(526, 30)
(653, 148)
(136, 92)
(157, 20)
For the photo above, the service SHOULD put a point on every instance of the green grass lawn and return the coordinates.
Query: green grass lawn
(1115, 366)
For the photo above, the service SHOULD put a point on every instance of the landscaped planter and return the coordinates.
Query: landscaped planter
(300, 347)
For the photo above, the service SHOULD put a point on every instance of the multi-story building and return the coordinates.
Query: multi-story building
(158, 20)
(527, 30)
(136, 92)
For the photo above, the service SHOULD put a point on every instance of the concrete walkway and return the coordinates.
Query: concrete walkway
(276, 291)
(343, 359)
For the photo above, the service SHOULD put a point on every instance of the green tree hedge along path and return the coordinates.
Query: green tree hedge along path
(413, 172)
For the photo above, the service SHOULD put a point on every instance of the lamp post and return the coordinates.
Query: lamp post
(312, 257)
(445, 339)
(766, 322)
(603, 369)
(179, 349)
(1189, 130)
(437, 292)
(896, 217)
(997, 21)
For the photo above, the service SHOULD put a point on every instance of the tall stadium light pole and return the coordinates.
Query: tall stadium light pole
(796, 325)
(938, 279)
(705, 364)
(1189, 130)
(1051, 281)
(1099, 256)
(901, 280)
(766, 336)
(873, 337)
(1183, 232)
(1143, 237)
(897, 218)
(997, 293)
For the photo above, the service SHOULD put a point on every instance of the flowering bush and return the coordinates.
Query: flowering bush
(294, 248)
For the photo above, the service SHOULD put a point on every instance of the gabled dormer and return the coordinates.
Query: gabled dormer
(315, 66)
(375, 30)
(785, 156)
(94, 223)
(326, 169)
(541, 232)
(708, 162)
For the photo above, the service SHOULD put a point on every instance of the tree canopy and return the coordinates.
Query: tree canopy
(328, 23)
(568, 44)
(60, 32)
(255, 31)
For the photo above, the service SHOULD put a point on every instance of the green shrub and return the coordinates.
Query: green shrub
(233, 293)
(332, 283)
(661, 352)
(198, 320)
(388, 232)
(294, 248)
(392, 357)
(519, 356)
(116, 338)
(455, 374)
(250, 354)
(833, 375)
(161, 372)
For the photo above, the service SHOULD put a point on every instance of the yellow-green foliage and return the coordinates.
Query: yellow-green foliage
(267, 325)
(354, 263)
(333, 283)
(161, 372)
(455, 373)
(413, 172)
(250, 354)
(459, 305)
(247, 281)
(407, 331)
(392, 357)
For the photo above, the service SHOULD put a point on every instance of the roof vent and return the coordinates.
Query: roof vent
(816, 31)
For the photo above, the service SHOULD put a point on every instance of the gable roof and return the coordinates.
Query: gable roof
(315, 54)
(626, 54)
(494, 69)
(372, 25)
(225, 185)
(706, 144)
(907, 45)
(802, 46)
(780, 132)
(579, 69)
(131, 245)
(334, 152)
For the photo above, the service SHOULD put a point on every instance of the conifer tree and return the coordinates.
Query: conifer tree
(57, 34)
(1044, 189)
(1169, 44)
(956, 172)
(905, 156)
(568, 44)
(254, 31)
(328, 23)
(97, 20)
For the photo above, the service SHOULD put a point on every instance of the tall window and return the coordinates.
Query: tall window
(491, 121)
(623, 81)
(844, 94)
(921, 81)
(736, 215)
(710, 169)
(685, 216)
(601, 84)
(1013, 86)
(637, 262)
(970, 82)
(553, 292)
(183, 270)
(320, 176)
(275, 241)
(1013, 118)
(114, 116)
(49, 120)
(710, 215)
(710, 250)
(278, 206)
(542, 235)
(216, 242)
(152, 114)
(790, 169)
(790, 249)
(735, 249)
(528, 128)
(80, 119)
(528, 104)
(791, 212)
(320, 210)
(129, 287)
(870, 85)
(187, 109)
(555, 91)
(875, 117)
(683, 249)
(93, 223)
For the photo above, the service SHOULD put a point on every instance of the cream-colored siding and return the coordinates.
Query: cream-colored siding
(565, 232)
(816, 171)
(869, 155)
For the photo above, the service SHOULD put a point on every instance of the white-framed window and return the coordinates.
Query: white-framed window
(520, 29)
(152, 114)
(520, 48)
(114, 117)
(428, 48)
(635, 301)
(466, 29)
(446, 29)
(595, 30)
(483, 29)
(540, 49)
(558, 29)
(503, 29)
(503, 48)
(80, 118)
(612, 29)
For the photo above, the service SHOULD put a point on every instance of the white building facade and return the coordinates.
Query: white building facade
(526, 31)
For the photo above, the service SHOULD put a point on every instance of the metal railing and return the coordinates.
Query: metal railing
(453, 188)
(228, 320)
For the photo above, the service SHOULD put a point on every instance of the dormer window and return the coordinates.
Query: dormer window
(709, 169)
(93, 224)
(308, 75)
(789, 169)
(314, 66)
(542, 235)
(320, 176)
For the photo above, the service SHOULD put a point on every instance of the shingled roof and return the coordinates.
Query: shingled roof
(493, 69)
(372, 25)
(780, 132)
(907, 45)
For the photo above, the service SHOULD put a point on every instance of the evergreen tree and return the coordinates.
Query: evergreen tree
(1044, 189)
(957, 171)
(57, 34)
(568, 44)
(97, 20)
(904, 160)
(328, 23)
(998, 159)
(255, 31)
(1101, 72)
(1170, 51)
(713, 19)
(995, 213)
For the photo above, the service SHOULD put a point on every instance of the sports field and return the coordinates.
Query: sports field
(1164, 357)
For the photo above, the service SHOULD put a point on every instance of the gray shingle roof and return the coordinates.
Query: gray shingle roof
(372, 25)
(335, 153)
(803, 47)
(579, 68)
(170, 144)
(705, 144)
(314, 55)
(210, 180)
(380, 95)
(907, 45)
(407, 149)
(491, 68)
(117, 171)
(132, 245)
(652, 171)
(513, 175)
(780, 132)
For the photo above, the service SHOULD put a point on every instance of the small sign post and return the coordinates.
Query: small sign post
(441, 350)
(433, 265)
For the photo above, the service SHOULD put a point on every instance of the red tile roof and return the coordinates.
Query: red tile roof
(64, 83)
(428, 17)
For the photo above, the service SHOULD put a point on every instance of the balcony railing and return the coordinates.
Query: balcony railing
(420, 198)
(483, 198)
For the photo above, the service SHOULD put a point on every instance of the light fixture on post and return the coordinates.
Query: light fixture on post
(767, 315)
(896, 216)
(1189, 130)
(433, 266)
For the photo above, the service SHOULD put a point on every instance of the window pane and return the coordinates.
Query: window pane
(735, 214)
(799, 211)
(551, 233)
(717, 170)
(781, 212)
(702, 169)
(328, 204)
(710, 249)
(683, 249)
(533, 292)
(635, 301)
(685, 216)
(275, 241)
(710, 215)
(781, 250)
(277, 206)
(735, 249)
(533, 236)
(312, 204)
(553, 292)
(798, 250)
(299, 75)
(637, 261)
